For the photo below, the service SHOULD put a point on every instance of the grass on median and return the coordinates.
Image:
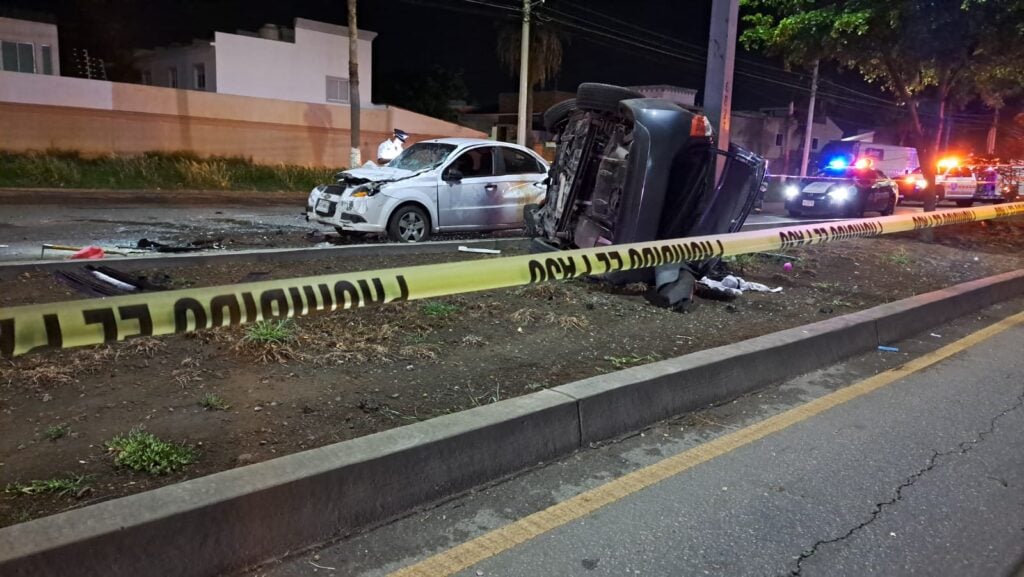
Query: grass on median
(440, 309)
(214, 402)
(142, 451)
(59, 486)
(55, 432)
(271, 332)
(153, 170)
(631, 360)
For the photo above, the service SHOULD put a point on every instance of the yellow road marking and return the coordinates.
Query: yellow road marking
(495, 542)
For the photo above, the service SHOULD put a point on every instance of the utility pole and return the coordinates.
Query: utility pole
(810, 122)
(718, 78)
(524, 75)
(355, 158)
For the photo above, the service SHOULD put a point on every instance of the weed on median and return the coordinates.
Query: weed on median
(55, 432)
(900, 257)
(271, 332)
(214, 402)
(631, 360)
(440, 309)
(143, 451)
(60, 486)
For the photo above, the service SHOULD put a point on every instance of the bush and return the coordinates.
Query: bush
(153, 170)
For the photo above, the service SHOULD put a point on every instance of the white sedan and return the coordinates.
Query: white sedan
(442, 185)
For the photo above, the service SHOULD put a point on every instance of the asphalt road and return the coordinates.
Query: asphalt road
(921, 476)
(25, 228)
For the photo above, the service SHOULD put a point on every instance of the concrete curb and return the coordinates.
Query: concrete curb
(133, 263)
(244, 516)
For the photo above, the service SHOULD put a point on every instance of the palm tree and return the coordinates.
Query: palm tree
(545, 57)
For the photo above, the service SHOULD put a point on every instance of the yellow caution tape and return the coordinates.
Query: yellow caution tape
(94, 321)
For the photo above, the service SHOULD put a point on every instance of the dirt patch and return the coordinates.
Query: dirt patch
(238, 397)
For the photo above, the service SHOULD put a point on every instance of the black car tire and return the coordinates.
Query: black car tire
(794, 213)
(964, 203)
(558, 113)
(889, 208)
(602, 97)
(402, 225)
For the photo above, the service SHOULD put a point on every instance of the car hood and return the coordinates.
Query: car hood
(357, 176)
(822, 186)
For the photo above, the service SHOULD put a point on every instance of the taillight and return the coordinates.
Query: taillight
(701, 127)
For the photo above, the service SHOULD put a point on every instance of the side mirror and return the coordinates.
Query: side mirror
(452, 175)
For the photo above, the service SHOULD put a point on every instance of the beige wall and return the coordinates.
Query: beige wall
(97, 117)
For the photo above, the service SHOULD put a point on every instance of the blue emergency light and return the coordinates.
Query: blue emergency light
(837, 163)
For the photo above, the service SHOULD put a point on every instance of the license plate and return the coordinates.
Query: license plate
(323, 205)
(807, 203)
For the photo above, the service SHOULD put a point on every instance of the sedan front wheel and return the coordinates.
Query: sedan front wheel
(409, 224)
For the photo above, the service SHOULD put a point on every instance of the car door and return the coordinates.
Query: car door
(881, 191)
(519, 173)
(468, 185)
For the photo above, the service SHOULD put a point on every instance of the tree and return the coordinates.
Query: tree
(545, 57)
(918, 50)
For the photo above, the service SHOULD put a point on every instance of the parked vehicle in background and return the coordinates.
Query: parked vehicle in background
(956, 182)
(632, 169)
(998, 183)
(442, 185)
(911, 186)
(843, 191)
(895, 161)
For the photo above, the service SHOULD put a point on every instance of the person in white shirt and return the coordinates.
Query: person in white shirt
(389, 149)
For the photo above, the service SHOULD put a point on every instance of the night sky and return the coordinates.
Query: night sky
(415, 36)
(419, 34)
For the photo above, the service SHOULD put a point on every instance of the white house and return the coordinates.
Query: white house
(28, 46)
(307, 63)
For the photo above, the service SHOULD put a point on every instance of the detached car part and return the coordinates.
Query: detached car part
(633, 169)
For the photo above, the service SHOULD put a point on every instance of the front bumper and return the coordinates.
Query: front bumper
(821, 205)
(329, 206)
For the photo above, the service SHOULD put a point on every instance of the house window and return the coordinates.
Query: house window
(814, 143)
(47, 59)
(18, 56)
(337, 89)
(199, 76)
(778, 139)
(172, 77)
(147, 77)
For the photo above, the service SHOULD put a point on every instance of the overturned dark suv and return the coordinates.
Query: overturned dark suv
(634, 169)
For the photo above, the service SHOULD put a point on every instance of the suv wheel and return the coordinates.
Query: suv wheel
(409, 224)
(964, 203)
(558, 113)
(603, 97)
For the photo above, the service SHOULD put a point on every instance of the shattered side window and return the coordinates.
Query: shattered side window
(422, 155)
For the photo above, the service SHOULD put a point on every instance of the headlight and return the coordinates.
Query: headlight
(791, 192)
(921, 183)
(839, 194)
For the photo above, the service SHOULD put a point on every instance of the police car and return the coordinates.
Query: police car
(843, 191)
(955, 182)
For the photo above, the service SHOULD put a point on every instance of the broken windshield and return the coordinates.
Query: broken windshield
(422, 155)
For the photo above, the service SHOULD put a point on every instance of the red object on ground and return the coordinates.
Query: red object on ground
(89, 252)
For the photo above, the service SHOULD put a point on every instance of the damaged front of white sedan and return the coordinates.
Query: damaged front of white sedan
(443, 185)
